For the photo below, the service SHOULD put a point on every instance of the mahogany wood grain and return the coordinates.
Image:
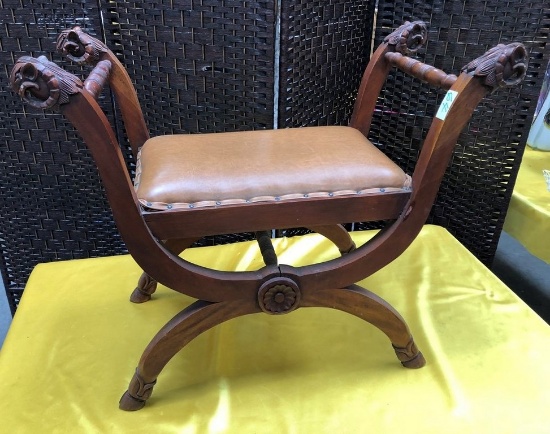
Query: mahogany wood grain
(375, 310)
(427, 73)
(338, 235)
(146, 284)
(373, 79)
(161, 264)
(178, 332)
(389, 243)
(229, 219)
(82, 48)
(98, 78)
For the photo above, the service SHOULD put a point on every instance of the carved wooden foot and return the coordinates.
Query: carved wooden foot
(373, 309)
(409, 356)
(146, 284)
(178, 332)
(145, 287)
(138, 392)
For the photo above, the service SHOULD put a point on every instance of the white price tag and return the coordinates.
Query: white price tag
(446, 104)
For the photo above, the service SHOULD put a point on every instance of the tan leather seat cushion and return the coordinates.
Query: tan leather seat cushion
(197, 170)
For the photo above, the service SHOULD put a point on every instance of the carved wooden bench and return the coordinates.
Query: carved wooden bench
(190, 186)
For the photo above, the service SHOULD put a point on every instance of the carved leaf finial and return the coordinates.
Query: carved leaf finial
(409, 37)
(501, 66)
(80, 47)
(42, 83)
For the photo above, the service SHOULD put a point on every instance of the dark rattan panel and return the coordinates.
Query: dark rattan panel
(325, 45)
(200, 66)
(474, 197)
(51, 200)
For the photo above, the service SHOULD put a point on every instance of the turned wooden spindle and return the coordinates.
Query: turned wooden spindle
(98, 78)
(427, 73)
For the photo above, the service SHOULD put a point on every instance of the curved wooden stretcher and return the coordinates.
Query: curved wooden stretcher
(190, 186)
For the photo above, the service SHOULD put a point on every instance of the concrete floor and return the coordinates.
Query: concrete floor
(527, 275)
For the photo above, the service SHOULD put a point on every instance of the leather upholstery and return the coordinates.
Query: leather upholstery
(187, 171)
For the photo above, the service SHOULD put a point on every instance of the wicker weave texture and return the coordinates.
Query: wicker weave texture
(200, 66)
(476, 191)
(51, 200)
(325, 45)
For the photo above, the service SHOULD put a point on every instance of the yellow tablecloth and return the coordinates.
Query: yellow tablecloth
(76, 340)
(528, 218)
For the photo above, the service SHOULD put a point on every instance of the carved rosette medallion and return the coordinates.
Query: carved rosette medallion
(42, 83)
(279, 295)
(501, 66)
(408, 38)
(80, 47)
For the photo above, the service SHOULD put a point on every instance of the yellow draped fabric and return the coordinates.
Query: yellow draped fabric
(528, 218)
(76, 340)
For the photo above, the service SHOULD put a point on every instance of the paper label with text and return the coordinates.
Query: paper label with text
(446, 104)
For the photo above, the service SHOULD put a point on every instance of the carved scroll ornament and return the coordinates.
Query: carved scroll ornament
(79, 46)
(42, 83)
(409, 37)
(501, 66)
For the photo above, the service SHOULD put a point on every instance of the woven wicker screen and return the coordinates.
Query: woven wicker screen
(205, 65)
(319, 80)
(475, 193)
(325, 45)
(199, 66)
(51, 199)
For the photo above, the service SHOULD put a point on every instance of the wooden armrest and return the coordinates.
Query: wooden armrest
(98, 78)
(82, 48)
(422, 71)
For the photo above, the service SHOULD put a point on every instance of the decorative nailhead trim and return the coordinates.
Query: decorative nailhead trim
(319, 194)
(407, 186)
